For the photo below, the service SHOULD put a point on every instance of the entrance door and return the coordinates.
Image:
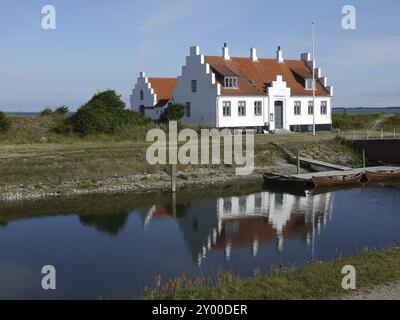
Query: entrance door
(278, 114)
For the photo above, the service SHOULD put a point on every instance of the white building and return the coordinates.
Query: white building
(151, 95)
(248, 92)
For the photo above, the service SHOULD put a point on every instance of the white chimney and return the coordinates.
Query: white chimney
(225, 52)
(279, 55)
(142, 74)
(253, 54)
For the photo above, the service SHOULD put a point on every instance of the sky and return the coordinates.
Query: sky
(102, 44)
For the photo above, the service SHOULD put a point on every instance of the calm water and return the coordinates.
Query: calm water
(114, 246)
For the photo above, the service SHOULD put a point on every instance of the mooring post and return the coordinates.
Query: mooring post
(173, 204)
(363, 158)
(173, 178)
(298, 162)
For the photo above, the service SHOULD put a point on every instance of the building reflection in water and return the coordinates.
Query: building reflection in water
(247, 221)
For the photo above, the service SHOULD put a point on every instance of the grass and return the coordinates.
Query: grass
(32, 153)
(353, 121)
(316, 281)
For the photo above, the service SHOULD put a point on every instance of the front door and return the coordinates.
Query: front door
(278, 114)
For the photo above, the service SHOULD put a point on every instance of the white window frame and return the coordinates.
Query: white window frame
(324, 107)
(310, 105)
(297, 108)
(231, 82)
(309, 83)
(226, 105)
(258, 108)
(242, 106)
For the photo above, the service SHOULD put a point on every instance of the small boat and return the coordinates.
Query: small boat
(338, 180)
(383, 175)
(282, 180)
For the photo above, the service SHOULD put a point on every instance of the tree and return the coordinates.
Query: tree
(174, 112)
(62, 110)
(105, 112)
(46, 112)
(5, 123)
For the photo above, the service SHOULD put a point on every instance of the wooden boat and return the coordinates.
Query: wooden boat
(383, 175)
(282, 180)
(338, 180)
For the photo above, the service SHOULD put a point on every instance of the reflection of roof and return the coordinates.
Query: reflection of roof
(247, 229)
(256, 76)
(163, 87)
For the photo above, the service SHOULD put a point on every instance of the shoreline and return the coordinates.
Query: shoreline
(375, 269)
(138, 183)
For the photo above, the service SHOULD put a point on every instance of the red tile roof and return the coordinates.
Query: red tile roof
(256, 76)
(163, 87)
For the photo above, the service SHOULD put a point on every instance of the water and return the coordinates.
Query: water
(114, 246)
(367, 110)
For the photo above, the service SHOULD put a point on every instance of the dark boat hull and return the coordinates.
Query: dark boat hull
(282, 180)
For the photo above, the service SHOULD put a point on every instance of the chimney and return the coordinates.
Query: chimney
(225, 52)
(142, 74)
(279, 55)
(253, 54)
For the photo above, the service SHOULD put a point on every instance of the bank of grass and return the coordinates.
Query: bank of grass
(392, 123)
(316, 281)
(353, 121)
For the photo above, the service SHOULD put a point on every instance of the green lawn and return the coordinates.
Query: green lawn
(316, 281)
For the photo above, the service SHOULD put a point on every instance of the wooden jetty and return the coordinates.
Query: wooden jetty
(308, 176)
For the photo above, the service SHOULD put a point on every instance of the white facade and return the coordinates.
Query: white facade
(207, 102)
(144, 98)
(203, 109)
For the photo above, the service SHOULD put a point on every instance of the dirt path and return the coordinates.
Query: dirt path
(376, 124)
(383, 292)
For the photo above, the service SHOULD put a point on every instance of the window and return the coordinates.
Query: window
(188, 111)
(324, 107)
(141, 95)
(242, 108)
(309, 84)
(194, 85)
(310, 107)
(297, 108)
(226, 108)
(231, 82)
(257, 108)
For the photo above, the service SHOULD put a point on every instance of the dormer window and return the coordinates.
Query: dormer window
(231, 82)
(309, 84)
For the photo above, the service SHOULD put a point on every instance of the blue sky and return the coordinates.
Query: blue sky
(104, 44)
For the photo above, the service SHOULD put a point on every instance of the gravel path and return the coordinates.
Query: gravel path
(383, 292)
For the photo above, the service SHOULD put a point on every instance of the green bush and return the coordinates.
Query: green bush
(46, 112)
(104, 113)
(5, 123)
(62, 110)
(174, 112)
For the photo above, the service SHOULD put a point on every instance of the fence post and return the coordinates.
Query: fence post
(298, 162)
(363, 158)
(173, 178)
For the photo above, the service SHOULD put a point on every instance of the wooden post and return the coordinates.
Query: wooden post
(381, 133)
(394, 133)
(298, 162)
(173, 178)
(363, 152)
(173, 204)
(354, 134)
